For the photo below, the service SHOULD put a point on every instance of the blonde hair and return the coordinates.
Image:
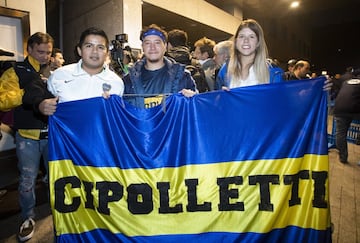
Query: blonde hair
(260, 64)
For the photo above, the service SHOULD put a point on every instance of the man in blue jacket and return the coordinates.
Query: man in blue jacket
(155, 76)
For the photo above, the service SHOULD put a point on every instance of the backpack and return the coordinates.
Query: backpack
(198, 74)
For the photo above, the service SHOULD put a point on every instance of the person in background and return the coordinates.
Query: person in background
(290, 69)
(56, 60)
(346, 109)
(291, 64)
(133, 58)
(204, 52)
(155, 76)
(120, 67)
(30, 126)
(301, 71)
(177, 47)
(128, 62)
(338, 80)
(120, 62)
(89, 77)
(178, 50)
(222, 51)
(248, 63)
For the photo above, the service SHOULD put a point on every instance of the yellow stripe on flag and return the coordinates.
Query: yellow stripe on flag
(228, 196)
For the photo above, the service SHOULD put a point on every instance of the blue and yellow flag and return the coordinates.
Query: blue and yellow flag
(246, 165)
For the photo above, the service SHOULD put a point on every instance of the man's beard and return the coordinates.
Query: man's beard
(153, 60)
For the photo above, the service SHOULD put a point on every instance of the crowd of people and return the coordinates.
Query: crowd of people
(33, 88)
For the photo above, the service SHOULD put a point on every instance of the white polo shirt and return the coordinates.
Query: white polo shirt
(71, 82)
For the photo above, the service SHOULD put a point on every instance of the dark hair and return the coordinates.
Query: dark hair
(127, 48)
(39, 38)
(300, 64)
(55, 50)
(154, 27)
(177, 37)
(93, 31)
(206, 45)
(292, 62)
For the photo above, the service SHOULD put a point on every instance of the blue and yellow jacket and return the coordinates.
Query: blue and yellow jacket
(12, 84)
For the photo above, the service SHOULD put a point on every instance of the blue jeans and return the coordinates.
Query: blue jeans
(29, 153)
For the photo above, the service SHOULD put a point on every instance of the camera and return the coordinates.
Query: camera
(117, 53)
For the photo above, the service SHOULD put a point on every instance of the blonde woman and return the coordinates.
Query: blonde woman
(248, 64)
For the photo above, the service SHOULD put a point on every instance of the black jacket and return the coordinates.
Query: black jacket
(25, 116)
(180, 54)
(347, 101)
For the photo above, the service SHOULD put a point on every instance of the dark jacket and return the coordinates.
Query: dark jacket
(180, 54)
(178, 79)
(25, 117)
(337, 83)
(347, 103)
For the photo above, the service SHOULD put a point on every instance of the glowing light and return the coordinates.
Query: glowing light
(295, 4)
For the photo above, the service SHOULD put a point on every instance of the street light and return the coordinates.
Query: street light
(294, 4)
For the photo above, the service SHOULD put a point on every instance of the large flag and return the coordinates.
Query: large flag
(246, 165)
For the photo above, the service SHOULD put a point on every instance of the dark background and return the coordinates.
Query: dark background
(333, 25)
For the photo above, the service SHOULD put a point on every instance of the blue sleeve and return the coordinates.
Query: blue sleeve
(276, 75)
(189, 82)
(221, 79)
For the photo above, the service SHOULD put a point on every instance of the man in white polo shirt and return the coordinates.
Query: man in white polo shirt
(89, 77)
